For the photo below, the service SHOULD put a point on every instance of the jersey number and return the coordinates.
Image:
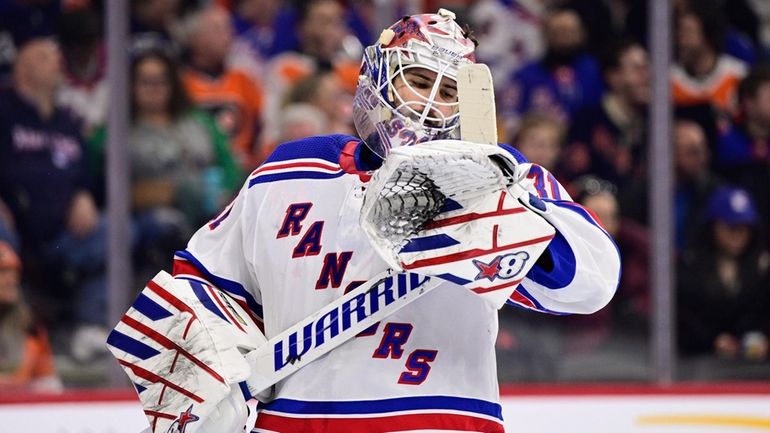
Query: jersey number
(540, 178)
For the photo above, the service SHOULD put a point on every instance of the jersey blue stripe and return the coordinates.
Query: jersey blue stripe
(245, 390)
(582, 212)
(384, 406)
(426, 243)
(518, 156)
(326, 147)
(150, 308)
(130, 345)
(203, 296)
(450, 205)
(454, 279)
(563, 271)
(292, 175)
(232, 287)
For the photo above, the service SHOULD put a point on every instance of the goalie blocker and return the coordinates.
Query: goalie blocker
(181, 344)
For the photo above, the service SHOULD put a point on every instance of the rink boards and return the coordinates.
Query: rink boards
(722, 408)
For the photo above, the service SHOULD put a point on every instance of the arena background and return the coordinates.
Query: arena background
(628, 368)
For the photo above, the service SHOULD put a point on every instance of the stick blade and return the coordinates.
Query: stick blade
(476, 97)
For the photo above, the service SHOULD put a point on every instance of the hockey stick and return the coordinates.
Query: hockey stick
(339, 321)
(478, 116)
(476, 97)
(149, 339)
(333, 325)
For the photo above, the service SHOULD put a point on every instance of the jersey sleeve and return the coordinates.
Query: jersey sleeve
(222, 253)
(580, 270)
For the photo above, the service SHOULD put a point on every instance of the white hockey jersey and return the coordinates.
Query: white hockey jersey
(290, 243)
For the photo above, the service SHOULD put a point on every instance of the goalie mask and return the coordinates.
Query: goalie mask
(422, 45)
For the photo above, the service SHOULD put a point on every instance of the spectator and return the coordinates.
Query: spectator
(182, 169)
(743, 148)
(43, 181)
(746, 141)
(762, 9)
(321, 32)
(630, 308)
(156, 23)
(256, 41)
(229, 95)
(722, 295)
(562, 82)
(26, 361)
(300, 120)
(20, 22)
(742, 37)
(503, 50)
(694, 182)
(8, 228)
(609, 140)
(737, 17)
(540, 139)
(84, 90)
(597, 19)
(358, 17)
(254, 23)
(324, 91)
(703, 73)
(321, 29)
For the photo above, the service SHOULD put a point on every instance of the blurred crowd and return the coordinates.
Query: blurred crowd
(216, 85)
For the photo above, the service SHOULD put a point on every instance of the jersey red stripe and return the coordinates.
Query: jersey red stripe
(263, 169)
(476, 252)
(497, 287)
(221, 304)
(471, 217)
(520, 299)
(381, 424)
(171, 299)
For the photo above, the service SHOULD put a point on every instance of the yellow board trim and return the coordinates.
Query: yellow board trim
(707, 420)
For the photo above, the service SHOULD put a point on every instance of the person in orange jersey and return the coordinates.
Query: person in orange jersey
(26, 361)
(229, 95)
(703, 73)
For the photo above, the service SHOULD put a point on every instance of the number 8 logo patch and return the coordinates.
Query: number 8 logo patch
(504, 267)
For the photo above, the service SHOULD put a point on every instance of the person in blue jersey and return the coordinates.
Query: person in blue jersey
(564, 81)
(291, 242)
(45, 186)
(608, 139)
(743, 144)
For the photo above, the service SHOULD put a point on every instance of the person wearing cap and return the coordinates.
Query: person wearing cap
(723, 295)
(26, 361)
